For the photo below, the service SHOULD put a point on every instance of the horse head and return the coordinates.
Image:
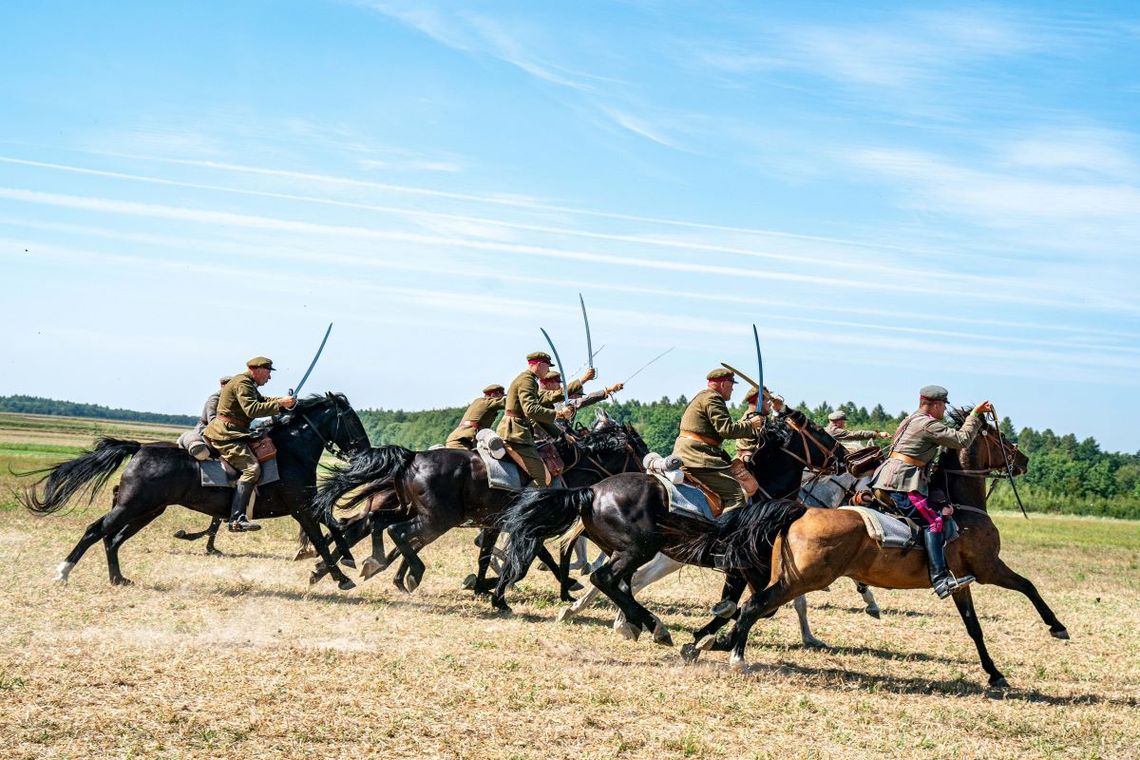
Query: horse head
(990, 451)
(333, 420)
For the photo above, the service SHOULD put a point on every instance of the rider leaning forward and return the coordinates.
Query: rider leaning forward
(238, 405)
(903, 479)
(480, 414)
(524, 409)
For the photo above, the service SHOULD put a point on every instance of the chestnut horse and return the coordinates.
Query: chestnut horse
(814, 547)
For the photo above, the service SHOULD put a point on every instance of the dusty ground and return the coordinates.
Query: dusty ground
(236, 657)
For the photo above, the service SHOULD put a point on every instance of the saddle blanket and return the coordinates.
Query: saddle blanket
(502, 474)
(216, 473)
(685, 498)
(826, 491)
(898, 533)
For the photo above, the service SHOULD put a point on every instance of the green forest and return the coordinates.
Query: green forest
(1065, 474)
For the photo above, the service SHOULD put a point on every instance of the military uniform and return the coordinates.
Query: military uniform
(238, 405)
(850, 439)
(705, 425)
(480, 414)
(192, 440)
(523, 409)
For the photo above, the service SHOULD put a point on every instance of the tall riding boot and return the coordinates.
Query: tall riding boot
(943, 582)
(238, 521)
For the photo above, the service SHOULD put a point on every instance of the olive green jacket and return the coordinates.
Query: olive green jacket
(523, 398)
(550, 398)
(746, 447)
(707, 415)
(849, 438)
(480, 414)
(241, 402)
(919, 436)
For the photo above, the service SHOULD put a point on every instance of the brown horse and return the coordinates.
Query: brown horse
(817, 546)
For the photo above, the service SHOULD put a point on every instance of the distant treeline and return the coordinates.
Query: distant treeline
(1065, 475)
(37, 405)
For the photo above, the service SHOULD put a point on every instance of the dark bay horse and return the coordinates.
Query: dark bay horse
(628, 517)
(813, 547)
(426, 493)
(163, 474)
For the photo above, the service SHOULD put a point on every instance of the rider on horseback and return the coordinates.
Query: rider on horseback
(229, 432)
(837, 429)
(192, 440)
(479, 415)
(705, 425)
(903, 479)
(525, 407)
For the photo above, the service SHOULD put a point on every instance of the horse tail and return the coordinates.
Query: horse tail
(536, 515)
(89, 471)
(368, 473)
(743, 538)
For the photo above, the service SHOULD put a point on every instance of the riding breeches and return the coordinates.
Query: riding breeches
(528, 457)
(720, 482)
(916, 507)
(241, 458)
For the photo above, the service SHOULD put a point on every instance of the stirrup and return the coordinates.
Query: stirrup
(948, 585)
(243, 526)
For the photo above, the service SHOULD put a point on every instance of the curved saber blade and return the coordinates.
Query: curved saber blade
(735, 371)
(646, 365)
(313, 363)
(589, 341)
(557, 358)
(759, 360)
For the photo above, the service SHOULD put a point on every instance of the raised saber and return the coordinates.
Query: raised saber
(565, 381)
(646, 365)
(313, 363)
(735, 371)
(759, 363)
(589, 341)
(1008, 466)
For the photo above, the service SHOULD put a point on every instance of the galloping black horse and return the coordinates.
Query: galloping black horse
(163, 474)
(628, 517)
(436, 490)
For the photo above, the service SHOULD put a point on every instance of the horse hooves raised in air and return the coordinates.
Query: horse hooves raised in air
(873, 612)
(576, 586)
(689, 654)
(737, 663)
(348, 562)
(1060, 633)
(346, 585)
(371, 567)
(181, 534)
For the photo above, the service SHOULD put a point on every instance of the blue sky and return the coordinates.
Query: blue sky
(895, 194)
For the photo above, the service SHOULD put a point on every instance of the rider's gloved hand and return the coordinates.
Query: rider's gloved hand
(983, 407)
(287, 402)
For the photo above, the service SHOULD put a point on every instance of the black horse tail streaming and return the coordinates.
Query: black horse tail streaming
(536, 515)
(369, 472)
(89, 472)
(742, 538)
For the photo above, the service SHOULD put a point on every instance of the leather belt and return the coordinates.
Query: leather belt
(232, 421)
(514, 415)
(706, 439)
(907, 459)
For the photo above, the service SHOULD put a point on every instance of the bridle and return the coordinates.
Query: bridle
(830, 461)
(579, 455)
(329, 444)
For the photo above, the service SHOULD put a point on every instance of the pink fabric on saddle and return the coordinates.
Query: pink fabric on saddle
(918, 501)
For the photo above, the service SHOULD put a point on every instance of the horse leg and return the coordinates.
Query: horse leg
(565, 583)
(800, 604)
(343, 546)
(872, 607)
(212, 535)
(734, 585)
(410, 536)
(93, 533)
(613, 579)
(659, 567)
(759, 605)
(111, 544)
(965, 603)
(313, 531)
(378, 561)
(305, 548)
(479, 582)
(354, 536)
(1000, 574)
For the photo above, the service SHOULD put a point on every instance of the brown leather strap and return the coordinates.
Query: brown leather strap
(698, 437)
(514, 415)
(232, 421)
(473, 424)
(908, 459)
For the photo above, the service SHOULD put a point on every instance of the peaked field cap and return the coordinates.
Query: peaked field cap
(838, 414)
(753, 393)
(934, 393)
(538, 356)
(494, 388)
(259, 361)
(721, 373)
(552, 375)
(225, 379)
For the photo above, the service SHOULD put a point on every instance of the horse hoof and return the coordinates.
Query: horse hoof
(321, 567)
(346, 585)
(413, 583)
(399, 584)
(565, 614)
(725, 608)
(370, 568)
(314, 577)
(121, 581)
(306, 553)
(873, 612)
(739, 664)
(706, 644)
(628, 631)
(811, 642)
(999, 683)
(576, 586)
(689, 654)
(470, 581)
(503, 610)
(212, 552)
(1062, 634)
(349, 562)
(661, 636)
(62, 571)
(180, 534)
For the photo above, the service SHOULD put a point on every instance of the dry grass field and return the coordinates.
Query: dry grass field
(236, 656)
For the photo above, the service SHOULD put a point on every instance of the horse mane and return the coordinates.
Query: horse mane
(368, 472)
(744, 536)
(289, 417)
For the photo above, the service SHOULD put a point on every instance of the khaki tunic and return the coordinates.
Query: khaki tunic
(240, 402)
(849, 438)
(480, 414)
(523, 399)
(746, 447)
(919, 436)
(707, 415)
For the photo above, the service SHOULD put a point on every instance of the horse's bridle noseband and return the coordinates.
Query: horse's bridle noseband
(328, 443)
